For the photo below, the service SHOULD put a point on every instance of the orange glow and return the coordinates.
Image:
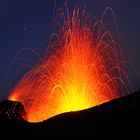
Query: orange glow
(13, 97)
(84, 70)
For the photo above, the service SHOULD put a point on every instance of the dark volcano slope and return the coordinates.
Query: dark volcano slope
(118, 118)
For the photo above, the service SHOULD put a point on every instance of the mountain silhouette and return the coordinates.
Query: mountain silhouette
(118, 118)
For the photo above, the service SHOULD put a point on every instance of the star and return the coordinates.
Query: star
(25, 28)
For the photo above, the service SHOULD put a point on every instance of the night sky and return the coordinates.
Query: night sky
(28, 24)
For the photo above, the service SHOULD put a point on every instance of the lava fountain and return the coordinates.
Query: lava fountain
(85, 69)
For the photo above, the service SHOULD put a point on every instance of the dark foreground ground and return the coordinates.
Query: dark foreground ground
(117, 119)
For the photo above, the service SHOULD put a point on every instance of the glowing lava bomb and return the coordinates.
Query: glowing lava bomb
(85, 69)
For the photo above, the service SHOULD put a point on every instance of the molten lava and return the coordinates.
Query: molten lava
(84, 70)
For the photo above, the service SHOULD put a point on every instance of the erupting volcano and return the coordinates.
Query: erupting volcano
(84, 69)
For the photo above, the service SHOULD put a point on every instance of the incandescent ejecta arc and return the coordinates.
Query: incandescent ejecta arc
(85, 69)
